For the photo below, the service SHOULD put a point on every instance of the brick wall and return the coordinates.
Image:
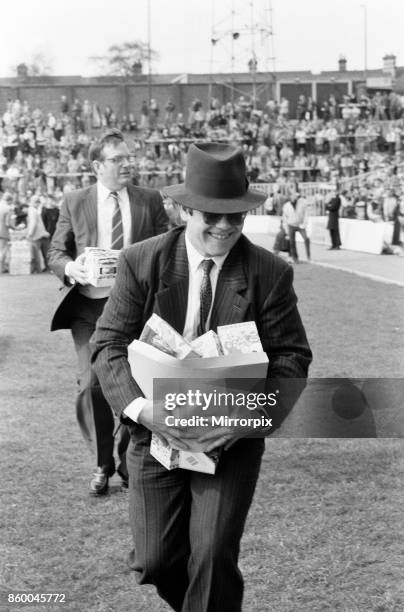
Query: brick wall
(325, 90)
(43, 97)
(124, 97)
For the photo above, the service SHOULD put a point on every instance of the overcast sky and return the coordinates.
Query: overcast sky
(307, 34)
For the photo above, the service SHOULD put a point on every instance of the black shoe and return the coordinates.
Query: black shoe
(99, 482)
(124, 479)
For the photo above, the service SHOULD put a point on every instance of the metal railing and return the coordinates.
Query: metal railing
(316, 194)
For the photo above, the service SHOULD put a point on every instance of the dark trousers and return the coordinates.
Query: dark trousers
(39, 247)
(335, 237)
(93, 412)
(292, 229)
(187, 526)
(282, 242)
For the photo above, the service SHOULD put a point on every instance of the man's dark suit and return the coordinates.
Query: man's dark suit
(186, 525)
(77, 229)
(333, 221)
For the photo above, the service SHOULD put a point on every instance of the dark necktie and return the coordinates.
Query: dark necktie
(205, 295)
(117, 225)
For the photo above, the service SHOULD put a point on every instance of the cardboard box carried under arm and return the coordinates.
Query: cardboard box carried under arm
(148, 363)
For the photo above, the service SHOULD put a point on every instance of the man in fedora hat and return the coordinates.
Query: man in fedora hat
(187, 525)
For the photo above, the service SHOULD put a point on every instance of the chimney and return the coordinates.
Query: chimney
(137, 69)
(389, 64)
(22, 71)
(342, 63)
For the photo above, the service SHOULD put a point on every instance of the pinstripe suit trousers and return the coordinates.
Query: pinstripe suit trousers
(187, 526)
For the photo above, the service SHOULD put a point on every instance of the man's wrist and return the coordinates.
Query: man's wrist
(134, 409)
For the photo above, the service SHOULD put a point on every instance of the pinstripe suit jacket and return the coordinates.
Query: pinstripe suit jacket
(253, 285)
(77, 229)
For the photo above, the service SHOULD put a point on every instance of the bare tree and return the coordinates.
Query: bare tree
(125, 59)
(40, 65)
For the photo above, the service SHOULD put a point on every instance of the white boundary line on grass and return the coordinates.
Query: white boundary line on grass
(375, 277)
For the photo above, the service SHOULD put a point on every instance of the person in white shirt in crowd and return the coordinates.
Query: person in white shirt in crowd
(286, 155)
(295, 219)
(391, 139)
(344, 203)
(5, 223)
(372, 211)
(331, 136)
(284, 108)
(37, 235)
(301, 136)
(400, 224)
(390, 205)
(319, 139)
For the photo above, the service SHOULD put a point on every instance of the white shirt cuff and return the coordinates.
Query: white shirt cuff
(135, 408)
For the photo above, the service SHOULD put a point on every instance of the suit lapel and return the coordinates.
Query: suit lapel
(172, 297)
(137, 214)
(90, 212)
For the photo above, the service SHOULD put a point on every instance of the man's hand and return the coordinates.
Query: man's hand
(227, 436)
(194, 438)
(78, 271)
(220, 436)
(153, 419)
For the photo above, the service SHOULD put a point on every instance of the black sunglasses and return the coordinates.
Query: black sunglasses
(235, 218)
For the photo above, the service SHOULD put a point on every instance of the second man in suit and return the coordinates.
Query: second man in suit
(110, 214)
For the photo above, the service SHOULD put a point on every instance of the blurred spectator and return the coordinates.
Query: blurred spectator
(372, 211)
(38, 236)
(144, 115)
(154, 112)
(390, 206)
(170, 109)
(295, 218)
(5, 225)
(282, 242)
(333, 206)
(50, 214)
(64, 105)
(284, 108)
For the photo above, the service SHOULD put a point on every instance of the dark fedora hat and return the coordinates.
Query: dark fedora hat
(215, 181)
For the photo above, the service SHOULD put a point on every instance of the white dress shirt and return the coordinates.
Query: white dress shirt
(295, 215)
(105, 211)
(195, 280)
(193, 307)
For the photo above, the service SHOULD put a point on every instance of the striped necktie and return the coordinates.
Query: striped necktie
(205, 295)
(117, 225)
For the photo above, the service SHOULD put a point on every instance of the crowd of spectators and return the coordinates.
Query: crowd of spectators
(44, 154)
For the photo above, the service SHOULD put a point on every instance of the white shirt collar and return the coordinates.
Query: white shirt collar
(195, 258)
(103, 192)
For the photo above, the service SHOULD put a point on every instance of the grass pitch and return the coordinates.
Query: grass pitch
(324, 530)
